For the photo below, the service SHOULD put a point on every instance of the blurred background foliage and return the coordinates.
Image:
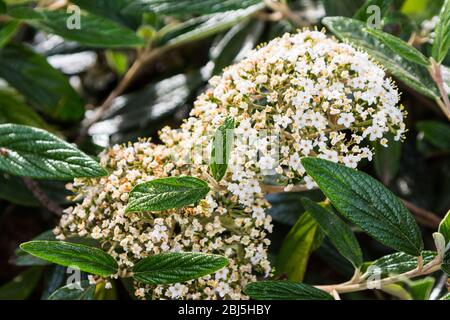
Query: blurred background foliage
(135, 66)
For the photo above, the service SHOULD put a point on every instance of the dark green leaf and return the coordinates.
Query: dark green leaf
(85, 258)
(31, 152)
(444, 227)
(13, 110)
(23, 258)
(46, 88)
(342, 7)
(74, 291)
(202, 27)
(337, 231)
(174, 267)
(2, 6)
(22, 285)
(362, 13)
(222, 145)
(166, 193)
(441, 42)
(436, 132)
(387, 159)
(298, 245)
(400, 47)
(398, 263)
(367, 203)
(412, 74)
(284, 290)
(421, 289)
(92, 30)
(446, 263)
(7, 31)
(13, 190)
(54, 279)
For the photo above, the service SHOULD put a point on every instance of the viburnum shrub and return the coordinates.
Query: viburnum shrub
(190, 213)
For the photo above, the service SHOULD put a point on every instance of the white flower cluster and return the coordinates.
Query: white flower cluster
(303, 94)
(428, 27)
(215, 225)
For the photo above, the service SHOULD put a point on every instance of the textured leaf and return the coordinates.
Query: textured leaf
(298, 245)
(74, 291)
(93, 30)
(13, 110)
(174, 267)
(202, 27)
(22, 285)
(441, 42)
(398, 263)
(31, 152)
(400, 47)
(367, 203)
(284, 290)
(7, 31)
(337, 231)
(191, 7)
(362, 13)
(85, 258)
(412, 74)
(46, 88)
(446, 263)
(166, 193)
(222, 145)
(435, 132)
(444, 227)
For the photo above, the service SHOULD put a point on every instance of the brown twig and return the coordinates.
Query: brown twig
(43, 199)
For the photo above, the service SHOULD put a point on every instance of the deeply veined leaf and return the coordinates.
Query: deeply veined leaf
(166, 193)
(174, 267)
(444, 227)
(191, 7)
(436, 132)
(284, 290)
(22, 285)
(367, 203)
(304, 237)
(337, 231)
(441, 42)
(85, 258)
(74, 291)
(7, 31)
(86, 29)
(398, 263)
(221, 149)
(400, 47)
(32, 152)
(43, 86)
(353, 31)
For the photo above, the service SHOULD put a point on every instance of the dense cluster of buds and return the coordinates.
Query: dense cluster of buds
(300, 95)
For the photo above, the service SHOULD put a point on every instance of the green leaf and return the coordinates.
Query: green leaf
(400, 47)
(353, 31)
(31, 152)
(23, 258)
(221, 148)
(398, 263)
(74, 291)
(337, 231)
(85, 258)
(445, 297)
(362, 13)
(284, 290)
(174, 267)
(13, 110)
(367, 203)
(2, 6)
(437, 133)
(191, 7)
(88, 29)
(46, 88)
(22, 285)
(202, 27)
(444, 227)
(301, 241)
(421, 289)
(341, 7)
(117, 61)
(445, 266)
(441, 42)
(387, 159)
(166, 193)
(7, 31)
